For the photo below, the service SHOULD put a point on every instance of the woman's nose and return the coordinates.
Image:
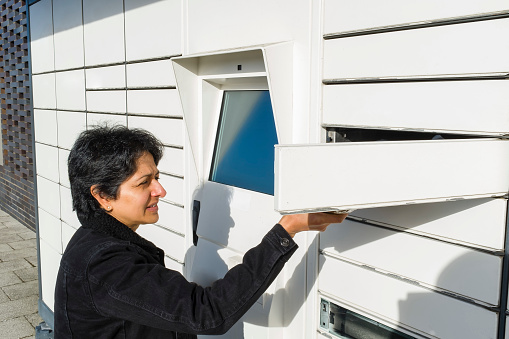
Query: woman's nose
(158, 190)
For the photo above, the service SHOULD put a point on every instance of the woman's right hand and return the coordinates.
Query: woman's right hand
(295, 223)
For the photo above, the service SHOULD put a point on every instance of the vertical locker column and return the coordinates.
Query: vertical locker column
(425, 68)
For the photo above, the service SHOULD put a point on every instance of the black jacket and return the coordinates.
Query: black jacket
(112, 283)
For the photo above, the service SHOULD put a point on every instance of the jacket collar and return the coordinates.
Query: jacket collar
(105, 223)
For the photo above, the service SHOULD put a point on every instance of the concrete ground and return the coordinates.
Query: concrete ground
(18, 280)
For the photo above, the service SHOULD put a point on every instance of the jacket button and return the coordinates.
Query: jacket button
(285, 242)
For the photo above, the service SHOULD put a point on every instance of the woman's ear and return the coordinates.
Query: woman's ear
(103, 201)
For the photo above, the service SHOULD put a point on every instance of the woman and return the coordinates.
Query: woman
(112, 283)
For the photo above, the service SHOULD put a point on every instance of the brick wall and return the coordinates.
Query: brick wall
(16, 170)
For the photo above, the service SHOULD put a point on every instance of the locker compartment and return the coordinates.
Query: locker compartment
(107, 101)
(67, 233)
(67, 23)
(67, 214)
(458, 106)
(171, 217)
(70, 125)
(150, 74)
(169, 131)
(50, 262)
(106, 77)
(457, 221)
(70, 90)
(345, 15)
(47, 161)
(468, 48)
(63, 155)
(41, 42)
(398, 301)
(45, 126)
(101, 118)
(173, 161)
(172, 244)
(48, 196)
(474, 274)
(355, 175)
(49, 230)
(155, 102)
(43, 90)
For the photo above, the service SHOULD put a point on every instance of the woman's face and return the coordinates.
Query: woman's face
(138, 196)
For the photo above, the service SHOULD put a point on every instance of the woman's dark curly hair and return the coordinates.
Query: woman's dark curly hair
(106, 156)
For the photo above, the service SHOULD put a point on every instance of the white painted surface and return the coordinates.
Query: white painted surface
(43, 90)
(152, 73)
(47, 161)
(70, 90)
(476, 222)
(169, 131)
(103, 31)
(48, 196)
(66, 212)
(49, 230)
(107, 101)
(172, 244)
(171, 217)
(354, 175)
(50, 262)
(173, 161)
(156, 102)
(45, 126)
(174, 188)
(341, 15)
(67, 233)
(41, 34)
(459, 106)
(112, 119)
(106, 77)
(63, 155)
(70, 125)
(418, 52)
(455, 268)
(396, 300)
(68, 26)
(161, 31)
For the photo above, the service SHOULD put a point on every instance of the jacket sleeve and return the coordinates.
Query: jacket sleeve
(125, 284)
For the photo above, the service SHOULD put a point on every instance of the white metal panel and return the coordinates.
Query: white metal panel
(50, 262)
(171, 217)
(459, 106)
(68, 26)
(401, 302)
(63, 155)
(67, 214)
(50, 230)
(41, 37)
(103, 31)
(106, 77)
(454, 268)
(342, 15)
(46, 158)
(45, 126)
(70, 125)
(477, 222)
(169, 131)
(156, 102)
(48, 196)
(112, 119)
(476, 47)
(70, 90)
(354, 175)
(162, 23)
(172, 161)
(67, 233)
(43, 90)
(107, 101)
(174, 188)
(172, 244)
(152, 73)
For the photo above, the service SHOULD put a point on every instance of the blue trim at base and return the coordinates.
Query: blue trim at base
(46, 314)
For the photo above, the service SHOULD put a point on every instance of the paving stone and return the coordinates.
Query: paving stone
(30, 243)
(16, 254)
(18, 308)
(9, 278)
(3, 297)
(32, 260)
(27, 235)
(16, 328)
(27, 274)
(4, 239)
(22, 290)
(34, 319)
(5, 248)
(14, 265)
